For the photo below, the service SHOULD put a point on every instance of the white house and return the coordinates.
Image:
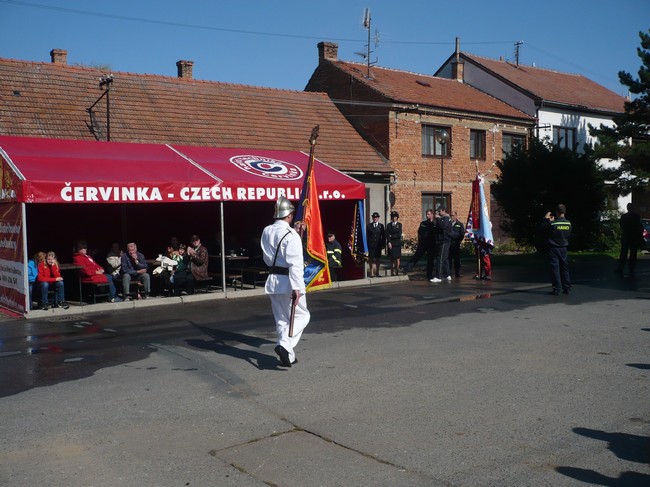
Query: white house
(563, 104)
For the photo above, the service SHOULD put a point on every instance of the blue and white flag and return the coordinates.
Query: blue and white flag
(479, 227)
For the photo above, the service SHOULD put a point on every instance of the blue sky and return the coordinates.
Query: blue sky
(273, 43)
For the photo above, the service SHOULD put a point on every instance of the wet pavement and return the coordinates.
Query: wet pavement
(400, 382)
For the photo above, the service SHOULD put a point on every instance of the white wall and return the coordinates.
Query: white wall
(548, 117)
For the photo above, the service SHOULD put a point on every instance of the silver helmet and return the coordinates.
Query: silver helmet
(283, 207)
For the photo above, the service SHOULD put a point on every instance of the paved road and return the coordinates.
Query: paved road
(399, 384)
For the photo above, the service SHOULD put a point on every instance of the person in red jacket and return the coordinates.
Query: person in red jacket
(91, 271)
(50, 275)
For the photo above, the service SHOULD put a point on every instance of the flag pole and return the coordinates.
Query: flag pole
(300, 223)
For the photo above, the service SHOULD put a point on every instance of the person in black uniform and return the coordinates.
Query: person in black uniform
(557, 230)
(334, 255)
(457, 236)
(631, 239)
(394, 231)
(442, 241)
(426, 242)
(376, 241)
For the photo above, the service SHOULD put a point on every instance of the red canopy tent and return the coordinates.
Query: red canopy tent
(71, 172)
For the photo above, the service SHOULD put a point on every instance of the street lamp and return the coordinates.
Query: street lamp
(442, 137)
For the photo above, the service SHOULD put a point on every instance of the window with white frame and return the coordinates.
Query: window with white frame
(564, 137)
(477, 144)
(431, 145)
(510, 141)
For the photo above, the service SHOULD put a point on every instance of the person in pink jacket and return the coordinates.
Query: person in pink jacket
(91, 271)
(50, 275)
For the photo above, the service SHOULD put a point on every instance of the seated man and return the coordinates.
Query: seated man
(134, 267)
(92, 272)
(198, 259)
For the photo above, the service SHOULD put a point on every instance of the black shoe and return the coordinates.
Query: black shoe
(566, 291)
(45, 307)
(284, 356)
(554, 292)
(64, 305)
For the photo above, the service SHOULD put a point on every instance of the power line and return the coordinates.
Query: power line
(218, 29)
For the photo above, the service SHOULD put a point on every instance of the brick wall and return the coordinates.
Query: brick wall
(398, 137)
(417, 174)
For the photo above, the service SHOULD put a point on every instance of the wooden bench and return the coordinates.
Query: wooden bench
(203, 285)
(95, 290)
(255, 275)
(233, 278)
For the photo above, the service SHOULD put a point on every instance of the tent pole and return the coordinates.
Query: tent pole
(223, 251)
(28, 302)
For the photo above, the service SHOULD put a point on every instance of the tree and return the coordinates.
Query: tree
(629, 139)
(536, 179)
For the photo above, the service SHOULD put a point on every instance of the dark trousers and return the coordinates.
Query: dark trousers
(559, 268)
(454, 256)
(183, 280)
(628, 247)
(441, 260)
(420, 250)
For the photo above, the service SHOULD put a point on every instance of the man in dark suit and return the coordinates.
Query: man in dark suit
(631, 239)
(376, 234)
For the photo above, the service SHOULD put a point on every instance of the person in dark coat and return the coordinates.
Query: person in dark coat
(394, 234)
(426, 244)
(376, 234)
(457, 236)
(557, 230)
(441, 253)
(631, 239)
(334, 255)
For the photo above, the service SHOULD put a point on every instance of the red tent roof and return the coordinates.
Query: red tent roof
(40, 170)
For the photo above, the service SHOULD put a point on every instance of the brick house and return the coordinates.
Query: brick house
(40, 99)
(563, 104)
(402, 114)
(59, 101)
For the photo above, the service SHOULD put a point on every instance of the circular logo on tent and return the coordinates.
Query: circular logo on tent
(267, 168)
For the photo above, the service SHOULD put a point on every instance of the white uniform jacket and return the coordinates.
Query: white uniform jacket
(289, 256)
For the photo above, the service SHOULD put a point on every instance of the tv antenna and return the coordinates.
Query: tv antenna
(366, 55)
(518, 45)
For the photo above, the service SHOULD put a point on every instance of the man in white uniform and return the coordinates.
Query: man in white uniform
(282, 251)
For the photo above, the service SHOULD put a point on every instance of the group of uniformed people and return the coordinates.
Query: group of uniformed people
(439, 237)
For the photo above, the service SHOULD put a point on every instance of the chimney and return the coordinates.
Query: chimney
(59, 56)
(457, 66)
(185, 69)
(327, 51)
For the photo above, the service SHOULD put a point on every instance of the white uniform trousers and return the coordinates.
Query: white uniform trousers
(281, 305)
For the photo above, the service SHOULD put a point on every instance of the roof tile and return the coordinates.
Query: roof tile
(52, 100)
(421, 89)
(553, 86)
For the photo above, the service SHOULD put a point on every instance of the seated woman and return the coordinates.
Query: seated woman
(92, 272)
(32, 274)
(182, 277)
(50, 275)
